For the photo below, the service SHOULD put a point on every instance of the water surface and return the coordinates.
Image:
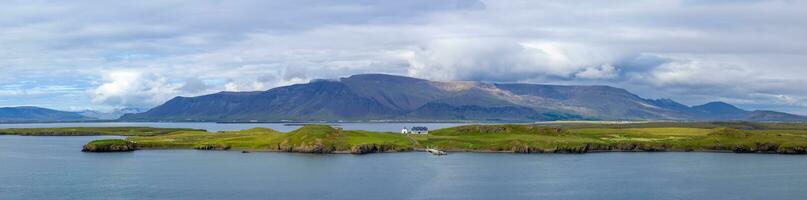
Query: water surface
(54, 168)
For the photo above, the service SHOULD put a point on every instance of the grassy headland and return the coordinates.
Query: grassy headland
(529, 139)
(309, 139)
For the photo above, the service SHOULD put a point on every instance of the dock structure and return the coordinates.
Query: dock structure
(436, 152)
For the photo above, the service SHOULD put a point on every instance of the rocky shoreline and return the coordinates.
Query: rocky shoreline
(368, 149)
(110, 145)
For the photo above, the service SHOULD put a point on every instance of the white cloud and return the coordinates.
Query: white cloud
(500, 59)
(691, 72)
(604, 71)
(788, 99)
(134, 89)
(245, 86)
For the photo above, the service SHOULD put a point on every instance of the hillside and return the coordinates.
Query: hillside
(387, 97)
(307, 139)
(37, 114)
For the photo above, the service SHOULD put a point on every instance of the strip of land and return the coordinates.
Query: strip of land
(92, 131)
(740, 137)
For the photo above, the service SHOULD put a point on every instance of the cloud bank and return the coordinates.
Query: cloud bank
(138, 54)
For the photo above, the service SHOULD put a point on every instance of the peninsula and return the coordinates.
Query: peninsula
(739, 137)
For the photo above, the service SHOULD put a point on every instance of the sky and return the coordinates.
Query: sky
(103, 55)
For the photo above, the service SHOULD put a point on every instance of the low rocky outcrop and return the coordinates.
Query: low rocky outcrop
(376, 148)
(110, 145)
(316, 147)
(211, 147)
(592, 147)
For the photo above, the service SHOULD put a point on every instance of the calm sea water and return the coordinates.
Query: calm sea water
(215, 127)
(54, 168)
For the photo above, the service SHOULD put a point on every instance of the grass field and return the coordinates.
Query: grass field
(310, 138)
(744, 137)
(586, 139)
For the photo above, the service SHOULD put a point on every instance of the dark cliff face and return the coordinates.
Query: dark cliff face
(36, 114)
(387, 97)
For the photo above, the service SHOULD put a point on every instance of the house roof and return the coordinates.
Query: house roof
(420, 128)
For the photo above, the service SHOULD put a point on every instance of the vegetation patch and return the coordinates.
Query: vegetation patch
(307, 139)
(211, 147)
(109, 145)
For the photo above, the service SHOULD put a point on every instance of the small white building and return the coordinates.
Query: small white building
(415, 130)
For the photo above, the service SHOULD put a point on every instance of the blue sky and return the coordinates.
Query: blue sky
(76, 55)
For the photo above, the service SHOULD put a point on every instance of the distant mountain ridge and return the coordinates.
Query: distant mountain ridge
(110, 115)
(37, 114)
(387, 97)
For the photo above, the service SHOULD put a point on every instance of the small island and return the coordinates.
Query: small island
(109, 145)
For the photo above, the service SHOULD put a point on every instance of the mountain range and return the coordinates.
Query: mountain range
(110, 115)
(37, 114)
(387, 97)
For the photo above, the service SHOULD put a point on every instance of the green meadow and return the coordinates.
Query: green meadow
(741, 137)
(310, 139)
(582, 139)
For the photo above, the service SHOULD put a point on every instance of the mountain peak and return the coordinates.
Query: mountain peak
(721, 111)
(718, 106)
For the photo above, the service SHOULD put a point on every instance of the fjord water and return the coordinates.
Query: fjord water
(54, 168)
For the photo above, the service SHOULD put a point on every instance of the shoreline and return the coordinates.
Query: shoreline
(470, 151)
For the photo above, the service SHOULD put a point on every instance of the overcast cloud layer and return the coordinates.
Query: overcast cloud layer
(111, 54)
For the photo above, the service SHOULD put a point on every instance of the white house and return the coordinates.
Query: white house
(415, 130)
